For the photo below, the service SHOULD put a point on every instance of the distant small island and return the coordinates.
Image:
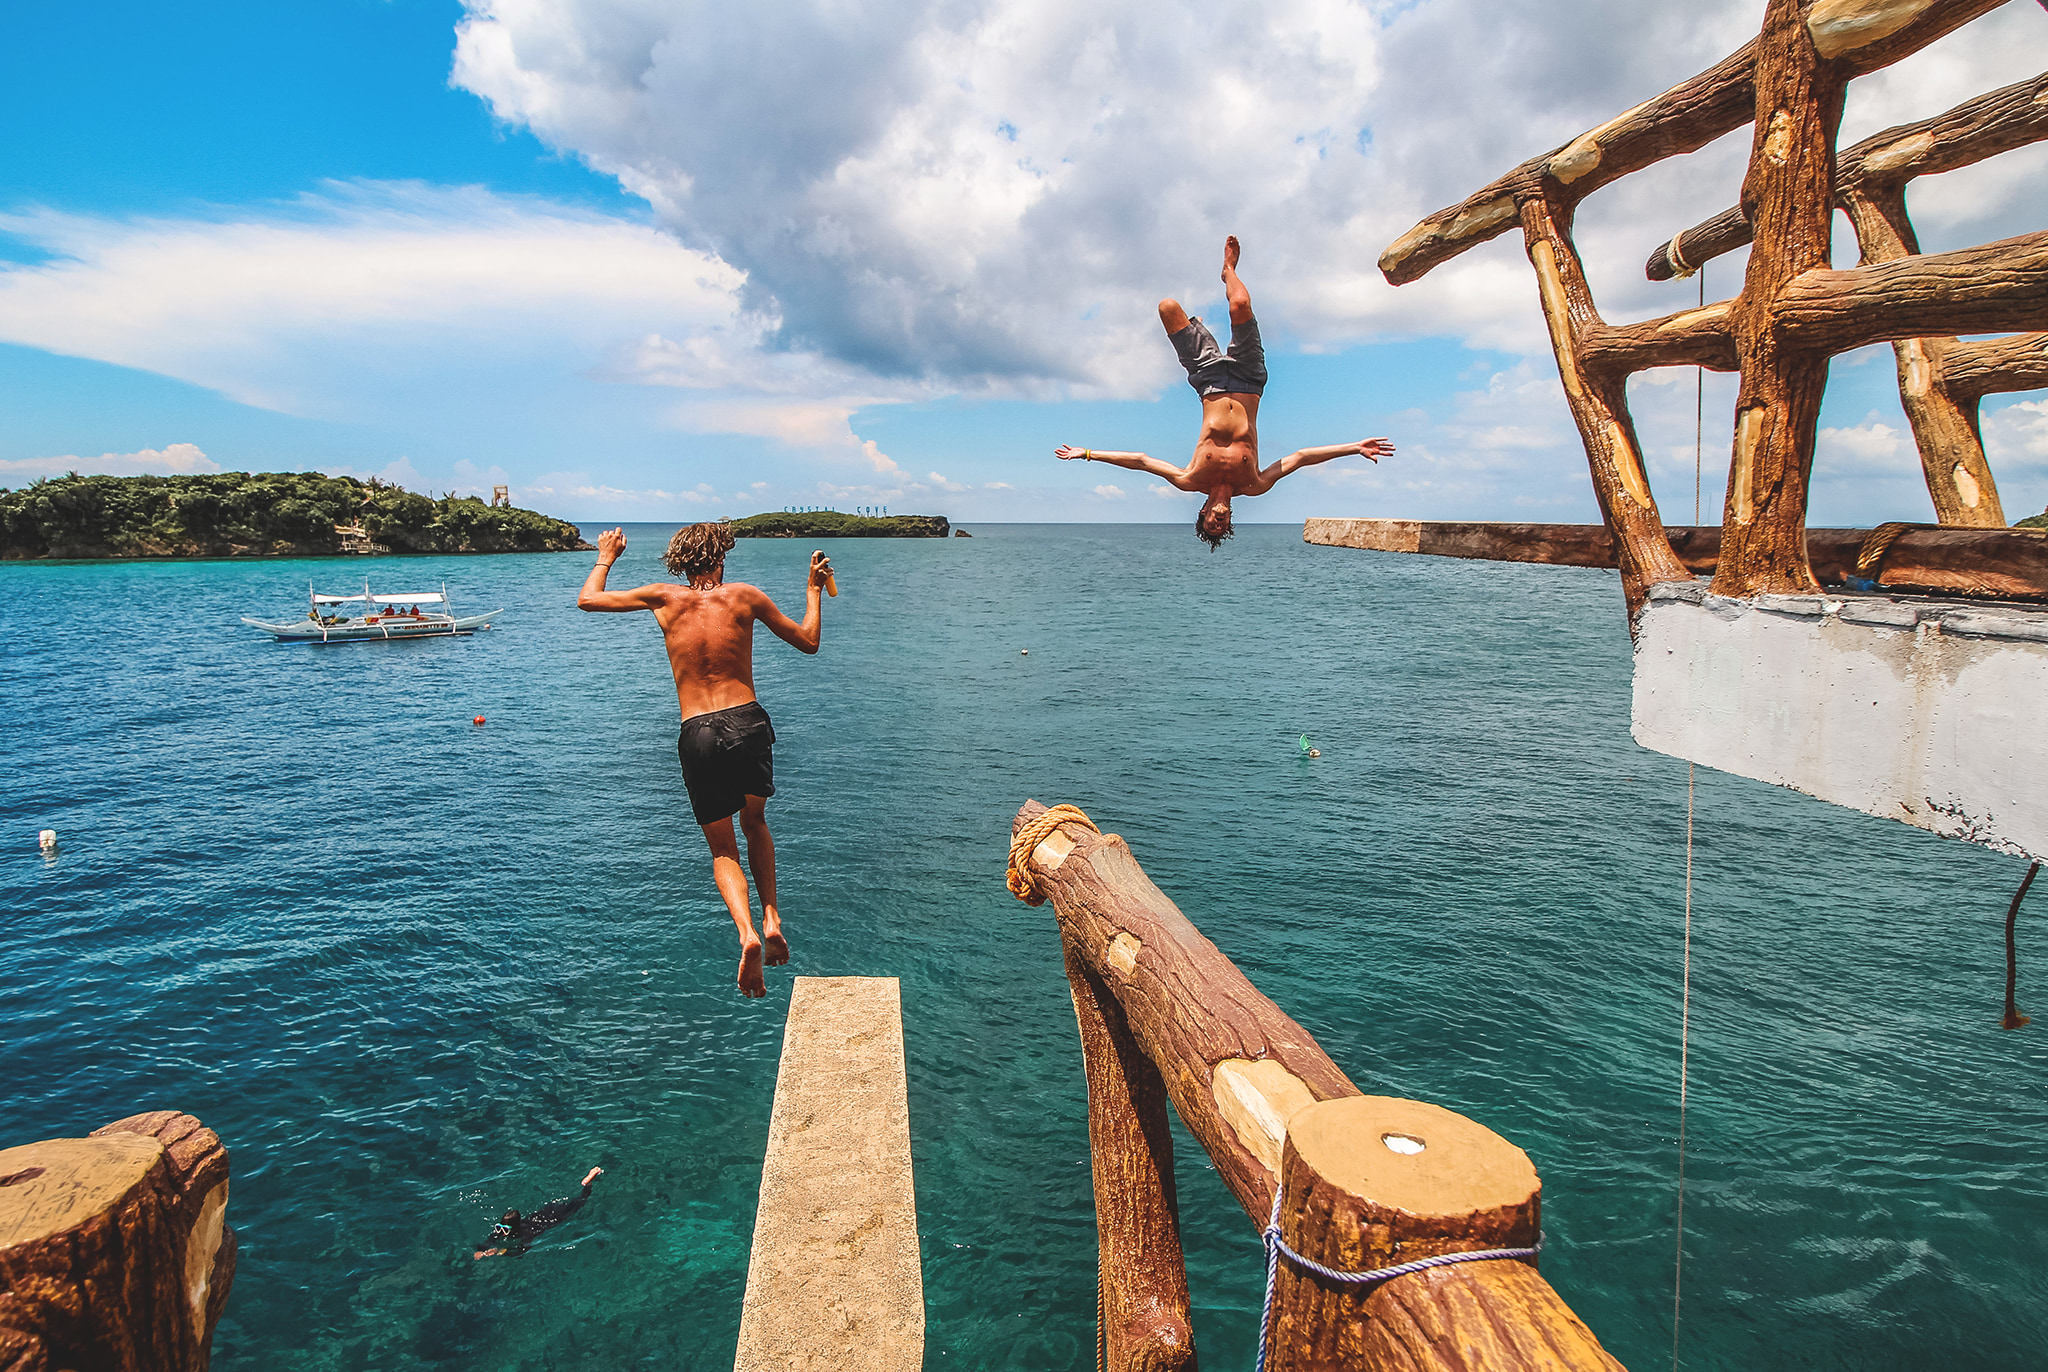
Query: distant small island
(265, 514)
(832, 524)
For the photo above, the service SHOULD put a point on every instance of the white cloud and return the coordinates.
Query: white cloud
(1872, 448)
(264, 304)
(992, 193)
(1107, 492)
(173, 459)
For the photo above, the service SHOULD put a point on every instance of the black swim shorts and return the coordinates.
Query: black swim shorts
(727, 756)
(1211, 371)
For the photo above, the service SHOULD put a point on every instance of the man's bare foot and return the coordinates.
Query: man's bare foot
(1230, 252)
(751, 984)
(772, 941)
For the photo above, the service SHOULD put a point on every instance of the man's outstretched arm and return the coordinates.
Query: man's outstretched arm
(803, 637)
(1177, 477)
(594, 596)
(1373, 448)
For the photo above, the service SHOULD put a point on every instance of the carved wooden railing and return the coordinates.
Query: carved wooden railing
(1941, 379)
(1793, 312)
(1163, 1014)
(114, 1254)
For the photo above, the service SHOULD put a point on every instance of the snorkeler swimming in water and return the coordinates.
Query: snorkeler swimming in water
(514, 1233)
(1226, 459)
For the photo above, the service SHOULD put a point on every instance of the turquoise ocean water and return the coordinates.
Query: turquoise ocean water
(416, 971)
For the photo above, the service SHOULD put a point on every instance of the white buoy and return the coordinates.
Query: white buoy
(47, 840)
(1024, 652)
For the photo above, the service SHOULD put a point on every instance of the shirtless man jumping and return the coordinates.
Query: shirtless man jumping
(1226, 460)
(727, 744)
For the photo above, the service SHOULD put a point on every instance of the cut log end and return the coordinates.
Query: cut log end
(114, 1253)
(51, 1187)
(1411, 1159)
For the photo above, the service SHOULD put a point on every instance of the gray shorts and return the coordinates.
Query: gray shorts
(1211, 371)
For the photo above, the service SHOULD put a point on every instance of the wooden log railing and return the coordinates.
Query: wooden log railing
(1941, 377)
(1369, 1180)
(114, 1256)
(1793, 313)
(1857, 36)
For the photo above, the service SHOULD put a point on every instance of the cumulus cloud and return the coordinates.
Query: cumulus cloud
(990, 193)
(1108, 492)
(173, 459)
(1871, 448)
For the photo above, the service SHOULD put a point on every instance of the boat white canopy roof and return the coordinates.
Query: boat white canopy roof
(423, 598)
(337, 599)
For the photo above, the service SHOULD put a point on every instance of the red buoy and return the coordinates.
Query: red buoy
(479, 720)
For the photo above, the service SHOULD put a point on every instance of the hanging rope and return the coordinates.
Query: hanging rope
(2013, 1018)
(1022, 880)
(1876, 544)
(1699, 414)
(1276, 1247)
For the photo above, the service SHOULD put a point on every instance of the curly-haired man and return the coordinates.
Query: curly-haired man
(727, 744)
(1226, 460)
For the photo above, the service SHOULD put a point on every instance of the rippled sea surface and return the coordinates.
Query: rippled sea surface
(415, 971)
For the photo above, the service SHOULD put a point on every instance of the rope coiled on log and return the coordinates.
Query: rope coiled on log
(1877, 543)
(1680, 268)
(1022, 880)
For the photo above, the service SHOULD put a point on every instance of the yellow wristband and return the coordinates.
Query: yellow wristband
(1087, 454)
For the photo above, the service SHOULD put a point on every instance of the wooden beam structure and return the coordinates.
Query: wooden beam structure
(114, 1253)
(1163, 1014)
(1794, 311)
(1941, 378)
(1862, 36)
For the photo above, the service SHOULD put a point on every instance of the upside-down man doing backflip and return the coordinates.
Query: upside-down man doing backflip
(727, 744)
(1226, 460)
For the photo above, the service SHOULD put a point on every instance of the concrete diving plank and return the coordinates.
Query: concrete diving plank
(834, 1281)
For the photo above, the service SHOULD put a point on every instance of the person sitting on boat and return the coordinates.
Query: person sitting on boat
(514, 1233)
(1226, 458)
(726, 746)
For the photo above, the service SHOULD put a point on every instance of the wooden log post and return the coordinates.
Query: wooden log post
(1599, 405)
(1143, 1275)
(113, 1252)
(1789, 198)
(1945, 426)
(1240, 1072)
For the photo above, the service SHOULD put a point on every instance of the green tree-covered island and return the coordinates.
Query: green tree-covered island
(264, 514)
(832, 524)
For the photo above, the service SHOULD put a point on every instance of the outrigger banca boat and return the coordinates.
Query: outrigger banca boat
(375, 618)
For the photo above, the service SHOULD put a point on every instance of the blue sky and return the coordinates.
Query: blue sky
(646, 260)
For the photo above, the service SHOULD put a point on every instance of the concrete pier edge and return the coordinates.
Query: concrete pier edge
(835, 1279)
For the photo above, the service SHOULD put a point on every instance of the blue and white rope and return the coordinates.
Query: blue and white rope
(1275, 1246)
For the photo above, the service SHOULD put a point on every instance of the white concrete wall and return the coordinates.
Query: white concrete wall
(1930, 713)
